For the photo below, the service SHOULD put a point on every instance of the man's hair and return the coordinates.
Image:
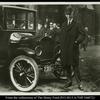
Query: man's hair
(68, 10)
(72, 9)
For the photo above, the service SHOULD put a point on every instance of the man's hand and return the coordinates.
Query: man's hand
(76, 43)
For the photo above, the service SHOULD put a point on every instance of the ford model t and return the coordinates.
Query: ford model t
(24, 54)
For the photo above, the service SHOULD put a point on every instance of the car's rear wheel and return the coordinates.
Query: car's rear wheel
(24, 73)
(59, 72)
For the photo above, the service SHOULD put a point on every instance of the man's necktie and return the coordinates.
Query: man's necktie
(69, 22)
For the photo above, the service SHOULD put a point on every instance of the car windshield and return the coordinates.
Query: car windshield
(19, 19)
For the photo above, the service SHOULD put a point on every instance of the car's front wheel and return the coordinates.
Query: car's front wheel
(24, 73)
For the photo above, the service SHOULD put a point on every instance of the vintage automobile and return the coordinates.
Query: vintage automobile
(24, 53)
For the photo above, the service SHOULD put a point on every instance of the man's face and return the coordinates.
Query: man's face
(69, 16)
(69, 13)
(51, 25)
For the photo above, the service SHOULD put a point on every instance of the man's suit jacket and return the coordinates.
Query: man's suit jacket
(68, 35)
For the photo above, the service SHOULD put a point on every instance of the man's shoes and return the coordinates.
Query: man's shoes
(68, 84)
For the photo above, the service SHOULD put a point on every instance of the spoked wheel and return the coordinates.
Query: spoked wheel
(24, 73)
(59, 72)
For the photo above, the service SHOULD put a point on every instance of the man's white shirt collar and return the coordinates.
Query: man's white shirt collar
(70, 21)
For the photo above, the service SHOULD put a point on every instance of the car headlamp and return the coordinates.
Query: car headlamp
(38, 50)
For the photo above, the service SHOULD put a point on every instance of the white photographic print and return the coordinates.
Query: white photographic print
(49, 48)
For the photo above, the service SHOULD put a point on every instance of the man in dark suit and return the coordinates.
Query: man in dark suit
(71, 35)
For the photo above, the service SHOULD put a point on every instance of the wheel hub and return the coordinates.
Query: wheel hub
(21, 74)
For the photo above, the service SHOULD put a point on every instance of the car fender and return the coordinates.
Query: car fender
(22, 51)
(25, 50)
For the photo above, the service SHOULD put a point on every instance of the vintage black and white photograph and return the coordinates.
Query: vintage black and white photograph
(52, 48)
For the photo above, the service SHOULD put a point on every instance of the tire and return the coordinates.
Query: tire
(58, 70)
(58, 74)
(24, 73)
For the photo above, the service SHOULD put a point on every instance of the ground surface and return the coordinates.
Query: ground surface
(90, 73)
